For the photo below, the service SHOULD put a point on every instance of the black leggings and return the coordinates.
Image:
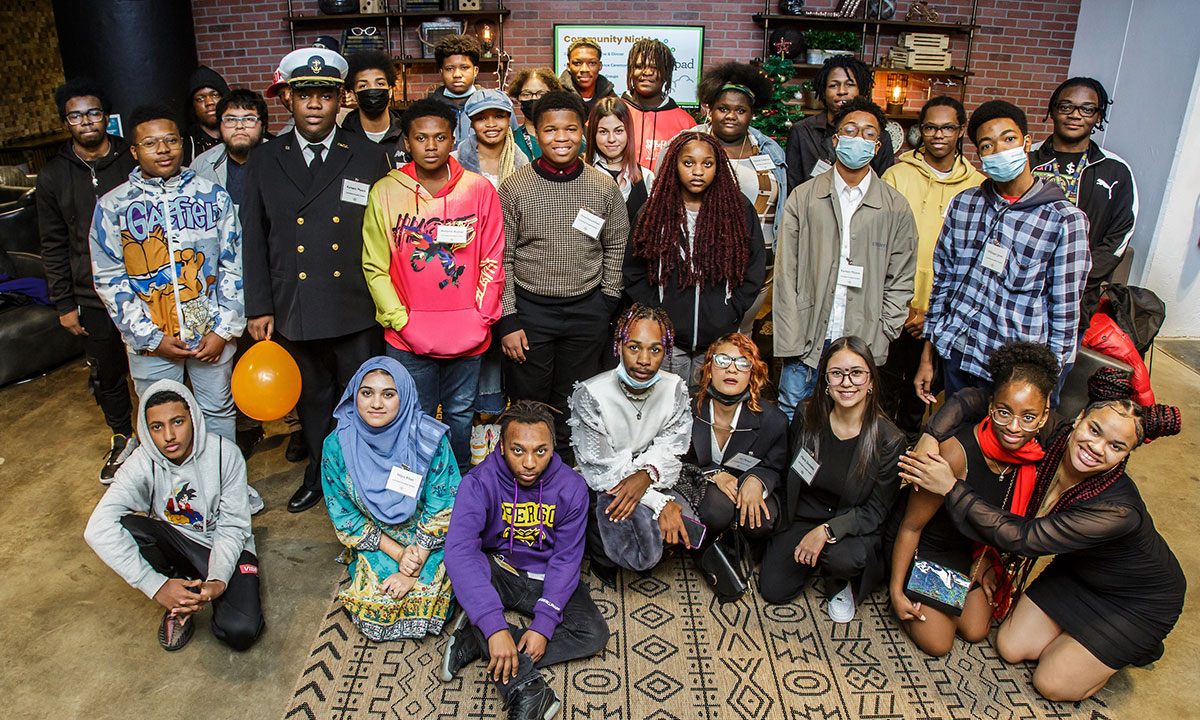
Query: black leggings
(718, 512)
(782, 579)
(237, 618)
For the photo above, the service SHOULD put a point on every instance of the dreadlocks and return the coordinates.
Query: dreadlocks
(527, 412)
(721, 248)
(655, 53)
(644, 312)
(1092, 84)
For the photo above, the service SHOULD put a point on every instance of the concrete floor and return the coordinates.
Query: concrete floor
(78, 642)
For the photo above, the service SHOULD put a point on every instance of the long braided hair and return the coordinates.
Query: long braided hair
(651, 52)
(721, 247)
(644, 312)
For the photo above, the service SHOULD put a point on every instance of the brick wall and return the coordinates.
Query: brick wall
(1021, 52)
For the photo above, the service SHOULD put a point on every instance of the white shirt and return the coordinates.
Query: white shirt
(308, 154)
(850, 198)
(376, 136)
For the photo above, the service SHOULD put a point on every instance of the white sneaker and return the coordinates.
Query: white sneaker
(256, 501)
(483, 441)
(841, 606)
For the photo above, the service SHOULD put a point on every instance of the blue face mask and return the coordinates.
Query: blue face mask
(1004, 166)
(623, 374)
(854, 152)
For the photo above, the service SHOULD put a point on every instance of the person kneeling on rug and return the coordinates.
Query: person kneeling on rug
(389, 478)
(193, 545)
(841, 486)
(629, 428)
(516, 543)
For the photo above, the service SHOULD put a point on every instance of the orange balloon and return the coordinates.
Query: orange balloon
(266, 381)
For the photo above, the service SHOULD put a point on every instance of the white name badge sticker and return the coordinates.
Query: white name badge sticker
(588, 223)
(994, 257)
(404, 481)
(741, 462)
(452, 234)
(354, 191)
(806, 466)
(819, 168)
(761, 162)
(850, 275)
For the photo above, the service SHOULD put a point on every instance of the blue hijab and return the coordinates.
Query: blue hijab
(410, 439)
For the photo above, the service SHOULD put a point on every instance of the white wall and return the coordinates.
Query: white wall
(1146, 54)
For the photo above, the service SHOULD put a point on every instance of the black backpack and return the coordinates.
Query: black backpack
(1137, 311)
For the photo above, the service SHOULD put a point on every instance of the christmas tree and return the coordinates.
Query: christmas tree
(777, 118)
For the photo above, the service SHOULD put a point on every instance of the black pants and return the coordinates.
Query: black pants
(237, 618)
(582, 633)
(782, 579)
(718, 512)
(565, 341)
(898, 398)
(326, 366)
(109, 364)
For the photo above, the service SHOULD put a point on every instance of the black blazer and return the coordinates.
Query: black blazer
(760, 434)
(302, 244)
(868, 498)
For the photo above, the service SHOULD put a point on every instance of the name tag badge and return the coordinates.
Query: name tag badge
(452, 234)
(588, 223)
(850, 275)
(805, 465)
(761, 162)
(994, 257)
(404, 481)
(741, 462)
(819, 168)
(355, 192)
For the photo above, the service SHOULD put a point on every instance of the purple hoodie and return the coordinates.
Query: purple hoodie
(546, 538)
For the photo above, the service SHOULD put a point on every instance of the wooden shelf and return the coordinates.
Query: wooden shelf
(894, 24)
(904, 116)
(433, 62)
(952, 72)
(301, 19)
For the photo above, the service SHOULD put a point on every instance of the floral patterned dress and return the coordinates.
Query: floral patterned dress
(429, 604)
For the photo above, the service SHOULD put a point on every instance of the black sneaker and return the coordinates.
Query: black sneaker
(297, 447)
(247, 439)
(119, 450)
(174, 633)
(461, 650)
(535, 700)
(606, 574)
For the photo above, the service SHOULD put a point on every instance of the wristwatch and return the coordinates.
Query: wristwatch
(829, 538)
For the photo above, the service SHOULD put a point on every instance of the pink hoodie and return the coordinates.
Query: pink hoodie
(437, 299)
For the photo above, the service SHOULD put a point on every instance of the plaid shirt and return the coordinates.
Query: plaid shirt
(1035, 297)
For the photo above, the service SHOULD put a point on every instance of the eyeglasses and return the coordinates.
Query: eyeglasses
(857, 376)
(1065, 107)
(230, 121)
(722, 360)
(76, 117)
(152, 143)
(360, 31)
(1004, 418)
(532, 95)
(852, 130)
(930, 129)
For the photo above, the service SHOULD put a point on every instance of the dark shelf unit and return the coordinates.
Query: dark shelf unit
(400, 21)
(869, 35)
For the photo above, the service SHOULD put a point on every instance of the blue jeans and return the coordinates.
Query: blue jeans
(954, 378)
(796, 384)
(450, 383)
(210, 384)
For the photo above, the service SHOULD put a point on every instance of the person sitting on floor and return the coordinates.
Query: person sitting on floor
(630, 425)
(997, 457)
(739, 442)
(389, 479)
(175, 523)
(521, 554)
(1114, 590)
(841, 486)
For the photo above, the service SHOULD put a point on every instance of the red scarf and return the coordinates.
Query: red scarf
(1026, 459)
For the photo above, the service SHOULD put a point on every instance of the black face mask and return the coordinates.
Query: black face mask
(727, 399)
(527, 109)
(373, 101)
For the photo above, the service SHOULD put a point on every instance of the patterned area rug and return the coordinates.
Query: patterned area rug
(676, 653)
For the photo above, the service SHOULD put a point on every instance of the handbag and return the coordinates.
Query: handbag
(938, 586)
(725, 577)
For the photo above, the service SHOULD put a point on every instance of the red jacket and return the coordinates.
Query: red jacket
(1105, 337)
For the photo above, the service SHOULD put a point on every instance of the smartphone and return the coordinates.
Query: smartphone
(695, 532)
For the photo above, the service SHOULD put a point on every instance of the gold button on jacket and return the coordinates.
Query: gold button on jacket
(299, 248)
(303, 276)
(299, 221)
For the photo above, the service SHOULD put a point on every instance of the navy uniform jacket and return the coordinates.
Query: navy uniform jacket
(302, 243)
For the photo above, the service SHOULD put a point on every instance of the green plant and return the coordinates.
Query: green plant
(832, 40)
(777, 118)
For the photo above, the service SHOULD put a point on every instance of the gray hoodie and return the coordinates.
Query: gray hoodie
(205, 498)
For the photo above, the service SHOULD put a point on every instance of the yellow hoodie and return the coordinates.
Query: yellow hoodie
(928, 195)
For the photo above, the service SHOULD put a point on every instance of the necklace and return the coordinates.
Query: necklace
(634, 399)
(91, 168)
